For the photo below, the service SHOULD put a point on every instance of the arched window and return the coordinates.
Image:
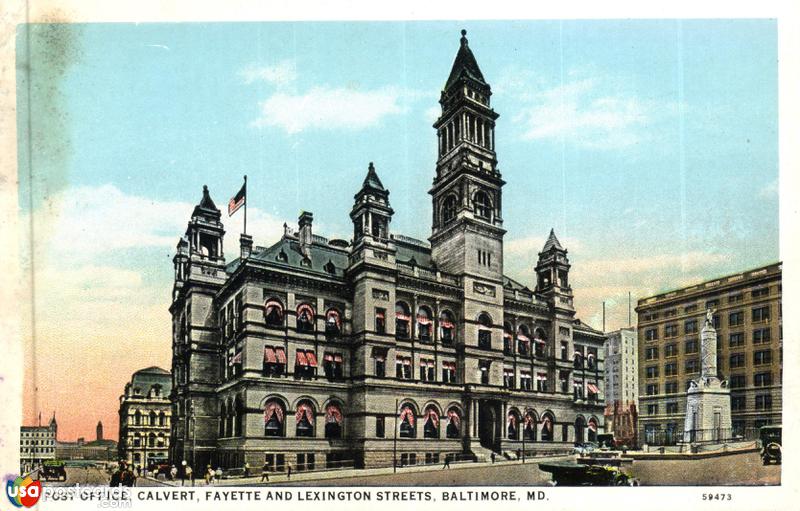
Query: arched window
(304, 419)
(223, 412)
(137, 440)
(230, 418)
(508, 338)
(577, 358)
(424, 324)
(482, 206)
(580, 426)
(590, 364)
(484, 331)
(530, 426)
(431, 423)
(453, 423)
(162, 419)
(540, 342)
(305, 318)
(547, 427)
(273, 418)
(137, 418)
(151, 440)
(273, 313)
(153, 419)
(523, 341)
(238, 419)
(402, 320)
(593, 429)
(408, 427)
(449, 209)
(333, 421)
(447, 327)
(333, 322)
(513, 425)
(160, 442)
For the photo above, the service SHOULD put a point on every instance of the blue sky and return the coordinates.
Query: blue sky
(650, 146)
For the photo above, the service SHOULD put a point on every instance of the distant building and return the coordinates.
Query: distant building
(144, 417)
(98, 450)
(747, 317)
(37, 443)
(622, 367)
(99, 430)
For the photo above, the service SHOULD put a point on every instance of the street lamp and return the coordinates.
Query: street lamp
(194, 436)
(394, 447)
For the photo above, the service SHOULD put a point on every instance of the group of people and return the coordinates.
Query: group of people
(123, 476)
(126, 476)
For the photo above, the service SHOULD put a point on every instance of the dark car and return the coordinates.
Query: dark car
(576, 474)
(54, 470)
(771, 444)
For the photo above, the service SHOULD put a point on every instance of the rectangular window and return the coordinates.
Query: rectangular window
(564, 350)
(508, 378)
(403, 368)
(737, 381)
(652, 389)
(736, 340)
(380, 426)
(738, 403)
(672, 407)
(563, 331)
(671, 387)
(758, 293)
(427, 370)
(735, 298)
(485, 339)
(692, 366)
(737, 360)
(761, 336)
(671, 369)
(380, 320)
(736, 318)
(577, 389)
(690, 347)
(670, 330)
(762, 379)
(651, 372)
(484, 368)
(449, 372)
(689, 308)
(380, 366)
(525, 381)
(763, 402)
(690, 326)
(711, 304)
(671, 350)
(669, 313)
(541, 382)
(652, 409)
(761, 314)
(651, 334)
(762, 357)
(651, 353)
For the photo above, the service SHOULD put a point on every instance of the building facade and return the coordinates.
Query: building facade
(98, 449)
(145, 416)
(746, 311)
(316, 352)
(622, 367)
(37, 444)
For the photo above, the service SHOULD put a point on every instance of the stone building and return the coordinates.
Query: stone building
(320, 352)
(145, 415)
(37, 444)
(747, 317)
(99, 449)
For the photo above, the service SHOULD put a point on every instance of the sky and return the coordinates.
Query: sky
(649, 146)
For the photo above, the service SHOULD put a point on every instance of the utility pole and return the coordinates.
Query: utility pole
(394, 447)
(629, 309)
(604, 317)
(524, 427)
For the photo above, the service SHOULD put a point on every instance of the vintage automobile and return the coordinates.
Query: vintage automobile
(771, 444)
(566, 473)
(582, 449)
(53, 470)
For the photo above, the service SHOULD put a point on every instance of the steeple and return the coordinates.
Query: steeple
(552, 271)
(371, 213)
(467, 189)
(552, 243)
(205, 230)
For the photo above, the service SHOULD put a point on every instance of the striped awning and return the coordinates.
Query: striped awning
(269, 355)
(301, 358)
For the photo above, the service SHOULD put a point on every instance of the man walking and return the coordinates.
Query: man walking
(446, 462)
(189, 475)
(265, 472)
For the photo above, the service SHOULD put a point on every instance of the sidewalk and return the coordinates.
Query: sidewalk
(312, 476)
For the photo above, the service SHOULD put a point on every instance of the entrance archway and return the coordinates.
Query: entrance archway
(580, 426)
(489, 424)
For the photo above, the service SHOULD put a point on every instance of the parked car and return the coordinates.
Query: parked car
(582, 449)
(567, 473)
(771, 444)
(54, 470)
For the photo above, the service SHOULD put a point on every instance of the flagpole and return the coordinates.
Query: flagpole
(245, 204)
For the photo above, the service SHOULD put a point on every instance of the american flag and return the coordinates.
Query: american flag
(238, 200)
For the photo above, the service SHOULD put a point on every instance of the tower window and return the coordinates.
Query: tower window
(482, 205)
(449, 209)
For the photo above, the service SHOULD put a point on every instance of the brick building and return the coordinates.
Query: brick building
(747, 317)
(319, 352)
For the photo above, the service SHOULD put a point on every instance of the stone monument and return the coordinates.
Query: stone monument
(708, 399)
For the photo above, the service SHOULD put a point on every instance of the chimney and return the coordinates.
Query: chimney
(246, 244)
(304, 234)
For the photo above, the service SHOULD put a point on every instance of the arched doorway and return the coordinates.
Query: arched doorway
(580, 427)
(593, 430)
(489, 424)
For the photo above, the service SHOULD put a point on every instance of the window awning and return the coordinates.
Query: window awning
(236, 359)
(446, 324)
(312, 358)
(423, 320)
(523, 338)
(301, 358)
(593, 388)
(337, 358)
(328, 357)
(406, 361)
(269, 355)
(281, 355)
(402, 317)
(380, 314)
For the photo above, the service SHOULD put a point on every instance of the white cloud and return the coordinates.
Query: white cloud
(688, 262)
(769, 190)
(280, 75)
(329, 108)
(590, 113)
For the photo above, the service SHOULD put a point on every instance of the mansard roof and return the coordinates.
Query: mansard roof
(583, 327)
(465, 65)
(323, 259)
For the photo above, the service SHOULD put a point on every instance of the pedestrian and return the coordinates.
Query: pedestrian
(247, 469)
(208, 475)
(492, 457)
(173, 472)
(265, 472)
(288, 471)
(189, 474)
(218, 474)
(183, 472)
(446, 462)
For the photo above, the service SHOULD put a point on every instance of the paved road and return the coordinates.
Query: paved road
(738, 469)
(83, 476)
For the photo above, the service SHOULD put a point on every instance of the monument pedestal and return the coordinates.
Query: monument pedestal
(708, 400)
